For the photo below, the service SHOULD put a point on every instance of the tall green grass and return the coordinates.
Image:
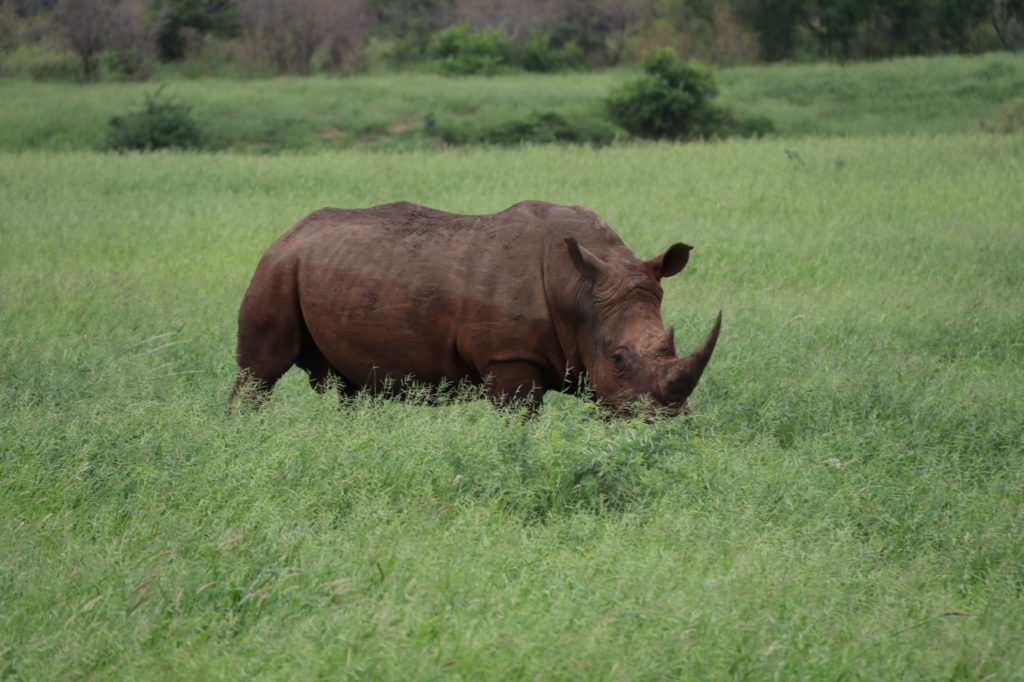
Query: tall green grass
(298, 113)
(847, 501)
(908, 95)
(402, 111)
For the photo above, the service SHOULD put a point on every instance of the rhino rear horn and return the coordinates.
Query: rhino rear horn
(689, 370)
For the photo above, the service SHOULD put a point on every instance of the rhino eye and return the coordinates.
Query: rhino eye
(618, 362)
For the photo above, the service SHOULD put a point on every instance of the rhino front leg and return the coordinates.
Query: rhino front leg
(510, 382)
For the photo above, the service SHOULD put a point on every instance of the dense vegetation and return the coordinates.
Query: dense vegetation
(847, 501)
(133, 38)
(136, 40)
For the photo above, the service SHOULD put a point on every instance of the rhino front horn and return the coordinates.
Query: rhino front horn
(687, 373)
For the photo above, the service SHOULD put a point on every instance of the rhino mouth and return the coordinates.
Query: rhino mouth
(678, 378)
(667, 410)
(647, 406)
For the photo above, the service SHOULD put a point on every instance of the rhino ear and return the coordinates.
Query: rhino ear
(671, 262)
(589, 265)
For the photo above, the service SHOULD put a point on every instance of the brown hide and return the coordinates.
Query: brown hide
(400, 290)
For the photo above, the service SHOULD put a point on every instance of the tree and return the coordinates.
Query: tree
(217, 17)
(132, 34)
(29, 8)
(834, 24)
(1005, 14)
(776, 23)
(287, 33)
(8, 25)
(877, 28)
(411, 23)
(85, 25)
(616, 17)
(461, 50)
(516, 18)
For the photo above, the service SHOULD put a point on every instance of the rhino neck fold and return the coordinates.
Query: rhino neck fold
(563, 291)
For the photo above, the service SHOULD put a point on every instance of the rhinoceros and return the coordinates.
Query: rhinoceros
(524, 301)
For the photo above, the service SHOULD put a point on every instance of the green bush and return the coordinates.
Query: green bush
(123, 64)
(535, 128)
(545, 128)
(673, 101)
(162, 123)
(540, 54)
(461, 51)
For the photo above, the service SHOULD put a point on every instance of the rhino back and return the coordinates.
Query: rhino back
(414, 290)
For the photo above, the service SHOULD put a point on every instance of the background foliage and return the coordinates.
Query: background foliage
(934, 95)
(461, 51)
(299, 36)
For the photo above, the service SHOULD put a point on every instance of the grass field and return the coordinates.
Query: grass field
(846, 502)
(388, 112)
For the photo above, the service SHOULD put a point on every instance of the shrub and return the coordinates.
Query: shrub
(673, 100)
(540, 54)
(534, 128)
(461, 51)
(123, 64)
(547, 127)
(162, 123)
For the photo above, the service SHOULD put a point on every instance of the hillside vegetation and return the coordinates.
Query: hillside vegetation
(133, 39)
(409, 111)
(846, 502)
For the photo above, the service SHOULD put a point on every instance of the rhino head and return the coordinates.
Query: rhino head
(628, 353)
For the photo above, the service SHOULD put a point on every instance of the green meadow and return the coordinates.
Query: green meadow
(935, 95)
(846, 501)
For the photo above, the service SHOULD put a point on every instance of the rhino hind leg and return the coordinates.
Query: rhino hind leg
(258, 371)
(253, 390)
(269, 343)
